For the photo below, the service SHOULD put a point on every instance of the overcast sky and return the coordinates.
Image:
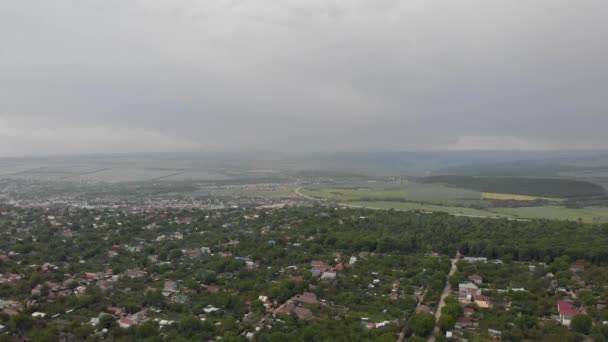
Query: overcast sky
(85, 76)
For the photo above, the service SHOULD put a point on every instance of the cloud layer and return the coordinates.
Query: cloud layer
(302, 75)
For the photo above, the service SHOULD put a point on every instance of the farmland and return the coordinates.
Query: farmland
(514, 197)
(402, 200)
(599, 215)
(406, 206)
(338, 194)
(541, 187)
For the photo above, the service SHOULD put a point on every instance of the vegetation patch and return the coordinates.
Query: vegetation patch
(541, 187)
(338, 194)
(515, 197)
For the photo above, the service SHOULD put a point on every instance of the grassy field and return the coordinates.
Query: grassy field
(397, 200)
(547, 212)
(503, 197)
(557, 213)
(336, 194)
(424, 207)
(542, 187)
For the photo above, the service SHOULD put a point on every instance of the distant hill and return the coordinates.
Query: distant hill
(543, 187)
(521, 168)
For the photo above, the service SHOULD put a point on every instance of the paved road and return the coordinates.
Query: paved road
(297, 192)
(444, 295)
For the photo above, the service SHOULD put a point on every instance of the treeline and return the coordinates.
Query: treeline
(544, 187)
(408, 232)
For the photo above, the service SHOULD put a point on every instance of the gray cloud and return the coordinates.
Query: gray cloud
(162, 75)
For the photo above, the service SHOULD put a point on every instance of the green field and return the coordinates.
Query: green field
(337, 194)
(557, 213)
(423, 207)
(541, 187)
(548, 212)
(404, 200)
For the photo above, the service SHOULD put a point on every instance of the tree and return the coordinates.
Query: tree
(21, 323)
(423, 324)
(582, 324)
(446, 322)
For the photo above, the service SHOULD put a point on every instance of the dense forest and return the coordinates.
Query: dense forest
(408, 232)
(544, 187)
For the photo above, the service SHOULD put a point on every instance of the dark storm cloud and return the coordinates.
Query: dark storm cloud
(127, 75)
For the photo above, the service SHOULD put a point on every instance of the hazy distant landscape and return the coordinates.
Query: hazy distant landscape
(553, 187)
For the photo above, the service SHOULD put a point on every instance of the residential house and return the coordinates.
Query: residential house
(475, 259)
(284, 309)
(213, 289)
(136, 273)
(306, 298)
(423, 309)
(495, 333)
(328, 276)
(303, 314)
(577, 268)
(482, 301)
(476, 279)
(181, 299)
(126, 323)
(466, 322)
(467, 290)
(566, 312)
(169, 288)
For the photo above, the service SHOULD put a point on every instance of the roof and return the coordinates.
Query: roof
(424, 309)
(468, 286)
(126, 321)
(303, 313)
(306, 297)
(481, 298)
(565, 308)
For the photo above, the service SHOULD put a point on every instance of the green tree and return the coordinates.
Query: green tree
(446, 322)
(582, 324)
(423, 324)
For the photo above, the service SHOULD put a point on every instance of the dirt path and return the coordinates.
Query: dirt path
(444, 295)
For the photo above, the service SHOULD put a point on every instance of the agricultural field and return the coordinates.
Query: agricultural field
(591, 215)
(599, 215)
(409, 191)
(542, 187)
(404, 200)
(426, 208)
(338, 194)
(514, 197)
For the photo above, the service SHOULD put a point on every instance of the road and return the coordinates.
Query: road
(297, 192)
(446, 292)
(420, 300)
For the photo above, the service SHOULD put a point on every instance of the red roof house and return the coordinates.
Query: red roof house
(566, 312)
